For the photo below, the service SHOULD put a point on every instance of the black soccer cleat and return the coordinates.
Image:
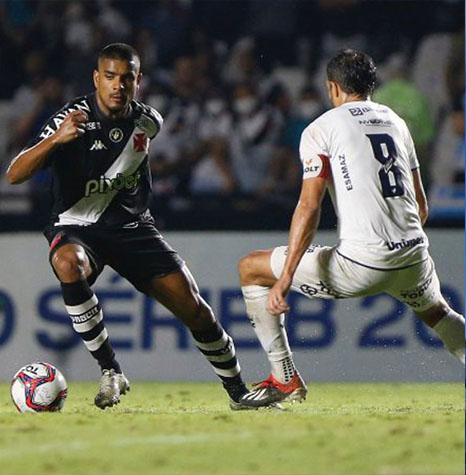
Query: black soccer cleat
(270, 392)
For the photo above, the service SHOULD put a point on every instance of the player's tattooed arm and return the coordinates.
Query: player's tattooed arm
(28, 161)
(420, 196)
(303, 228)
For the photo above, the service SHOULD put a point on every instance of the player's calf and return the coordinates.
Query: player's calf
(219, 350)
(449, 325)
(270, 330)
(180, 294)
(86, 315)
(72, 267)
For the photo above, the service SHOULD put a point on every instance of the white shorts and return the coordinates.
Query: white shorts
(324, 273)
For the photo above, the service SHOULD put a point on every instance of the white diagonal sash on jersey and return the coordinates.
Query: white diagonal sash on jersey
(90, 208)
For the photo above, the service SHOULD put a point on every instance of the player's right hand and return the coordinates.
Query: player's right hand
(276, 301)
(72, 127)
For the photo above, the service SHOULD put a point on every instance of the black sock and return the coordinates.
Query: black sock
(218, 348)
(85, 313)
(235, 387)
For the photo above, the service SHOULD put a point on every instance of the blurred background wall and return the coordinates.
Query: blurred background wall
(369, 339)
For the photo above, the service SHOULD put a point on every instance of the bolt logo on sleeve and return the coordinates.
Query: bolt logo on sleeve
(316, 167)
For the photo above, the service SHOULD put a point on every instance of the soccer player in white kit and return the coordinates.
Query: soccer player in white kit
(363, 152)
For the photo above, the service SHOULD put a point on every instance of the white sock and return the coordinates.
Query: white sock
(270, 330)
(451, 330)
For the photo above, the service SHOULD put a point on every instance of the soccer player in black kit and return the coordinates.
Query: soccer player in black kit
(97, 148)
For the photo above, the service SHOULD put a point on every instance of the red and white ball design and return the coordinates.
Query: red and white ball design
(38, 387)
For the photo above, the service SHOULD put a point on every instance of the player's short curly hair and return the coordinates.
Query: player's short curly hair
(353, 71)
(120, 51)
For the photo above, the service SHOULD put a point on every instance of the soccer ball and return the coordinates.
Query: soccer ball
(38, 387)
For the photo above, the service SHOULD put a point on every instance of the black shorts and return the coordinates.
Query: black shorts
(137, 251)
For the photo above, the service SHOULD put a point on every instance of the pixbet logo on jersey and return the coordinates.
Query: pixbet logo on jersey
(104, 184)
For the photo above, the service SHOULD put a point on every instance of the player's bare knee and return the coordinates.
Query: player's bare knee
(242, 268)
(247, 269)
(254, 269)
(70, 264)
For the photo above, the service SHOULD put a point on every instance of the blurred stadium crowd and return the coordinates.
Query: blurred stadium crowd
(236, 82)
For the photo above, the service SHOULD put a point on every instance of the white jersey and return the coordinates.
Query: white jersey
(368, 153)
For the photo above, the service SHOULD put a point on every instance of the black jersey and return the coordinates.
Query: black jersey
(103, 177)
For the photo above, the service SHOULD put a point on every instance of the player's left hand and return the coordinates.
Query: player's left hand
(276, 302)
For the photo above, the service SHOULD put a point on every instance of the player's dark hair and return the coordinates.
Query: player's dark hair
(353, 71)
(120, 51)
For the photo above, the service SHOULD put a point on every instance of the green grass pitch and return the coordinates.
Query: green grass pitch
(187, 428)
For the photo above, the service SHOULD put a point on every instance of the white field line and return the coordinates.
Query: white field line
(122, 442)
